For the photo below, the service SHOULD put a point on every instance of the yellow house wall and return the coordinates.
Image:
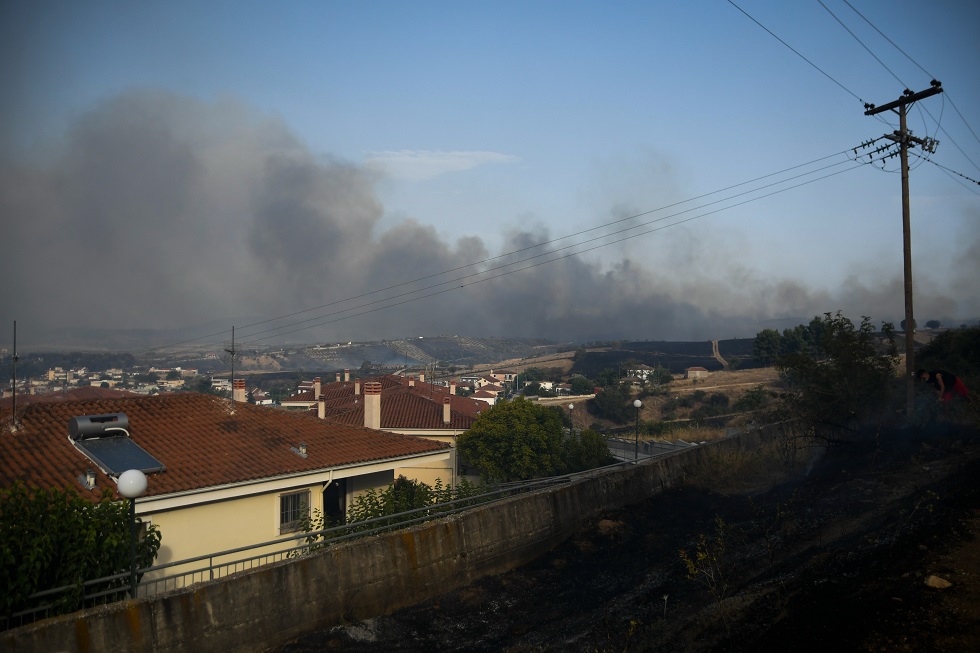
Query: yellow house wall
(444, 471)
(206, 527)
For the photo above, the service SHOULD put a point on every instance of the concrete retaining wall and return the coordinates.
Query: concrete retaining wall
(262, 608)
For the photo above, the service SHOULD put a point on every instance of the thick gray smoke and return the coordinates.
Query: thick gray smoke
(158, 211)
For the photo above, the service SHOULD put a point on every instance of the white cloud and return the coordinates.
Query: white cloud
(420, 165)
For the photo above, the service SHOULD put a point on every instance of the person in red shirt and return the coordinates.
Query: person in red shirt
(946, 385)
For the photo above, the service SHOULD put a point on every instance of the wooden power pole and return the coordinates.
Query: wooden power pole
(905, 140)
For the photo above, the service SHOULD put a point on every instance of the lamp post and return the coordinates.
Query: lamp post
(132, 484)
(636, 449)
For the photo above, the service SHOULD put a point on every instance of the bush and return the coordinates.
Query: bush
(53, 538)
(845, 381)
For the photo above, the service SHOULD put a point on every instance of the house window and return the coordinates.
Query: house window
(293, 509)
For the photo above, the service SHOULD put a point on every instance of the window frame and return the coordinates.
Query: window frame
(296, 512)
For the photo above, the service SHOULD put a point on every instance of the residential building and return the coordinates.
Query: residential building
(696, 373)
(234, 474)
(395, 404)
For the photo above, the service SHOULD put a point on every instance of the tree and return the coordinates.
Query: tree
(933, 324)
(55, 538)
(659, 375)
(766, 347)
(794, 341)
(586, 449)
(607, 377)
(515, 440)
(850, 385)
(906, 330)
(581, 385)
(532, 389)
(173, 375)
(614, 403)
(955, 350)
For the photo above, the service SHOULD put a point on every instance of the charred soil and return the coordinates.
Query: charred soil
(875, 549)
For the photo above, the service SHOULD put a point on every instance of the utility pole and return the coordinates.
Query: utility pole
(905, 140)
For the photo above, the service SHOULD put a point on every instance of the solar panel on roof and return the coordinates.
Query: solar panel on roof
(105, 440)
(115, 454)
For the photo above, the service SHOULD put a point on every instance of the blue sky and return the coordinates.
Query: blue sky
(516, 122)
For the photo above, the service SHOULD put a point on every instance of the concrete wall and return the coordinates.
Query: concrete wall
(262, 608)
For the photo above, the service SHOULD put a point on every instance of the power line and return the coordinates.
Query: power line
(463, 282)
(558, 258)
(815, 66)
(946, 94)
(496, 258)
(861, 42)
(950, 172)
(576, 244)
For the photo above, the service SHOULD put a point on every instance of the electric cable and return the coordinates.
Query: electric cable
(505, 255)
(946, 94)
(564, 256)
(815, 66)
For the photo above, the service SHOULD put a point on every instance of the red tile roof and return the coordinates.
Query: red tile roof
(198, 439)
(83, 393)
(402, 406)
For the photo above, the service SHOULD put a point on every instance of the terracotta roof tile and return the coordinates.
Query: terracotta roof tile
(84, 393)
(402, 406)
(198, 439)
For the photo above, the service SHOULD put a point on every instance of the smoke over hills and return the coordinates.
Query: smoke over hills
(157, 211)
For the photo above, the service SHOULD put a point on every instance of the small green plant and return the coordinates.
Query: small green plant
(713, 562)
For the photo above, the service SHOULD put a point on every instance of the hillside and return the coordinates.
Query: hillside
(868, 549)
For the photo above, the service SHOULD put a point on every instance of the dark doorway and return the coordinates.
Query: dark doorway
(335, 502)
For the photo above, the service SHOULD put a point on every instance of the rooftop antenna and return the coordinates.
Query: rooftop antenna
(231, 351)
(13, 365)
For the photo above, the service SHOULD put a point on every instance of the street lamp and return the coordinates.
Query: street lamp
(636, 449)
(132, 484)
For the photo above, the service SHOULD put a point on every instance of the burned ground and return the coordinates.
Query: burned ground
(838, 560)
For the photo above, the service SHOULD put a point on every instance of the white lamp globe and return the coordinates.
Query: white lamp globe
(637, 403)
(131, 483)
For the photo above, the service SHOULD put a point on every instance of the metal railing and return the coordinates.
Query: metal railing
(179, 574)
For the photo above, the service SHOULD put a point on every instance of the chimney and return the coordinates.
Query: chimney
(346, 376)
(337, 379)
(452, 386)
(316, 388)
(238, 390)
(411, 381)
(447, 409)
(357, 387)
(372, 405)
(321, 407)
(421, 377)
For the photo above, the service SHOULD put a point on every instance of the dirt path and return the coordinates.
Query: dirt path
(717, 354)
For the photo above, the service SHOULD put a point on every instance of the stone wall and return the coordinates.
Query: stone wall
(263, 608)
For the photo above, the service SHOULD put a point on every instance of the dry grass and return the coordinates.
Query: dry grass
(732, 472)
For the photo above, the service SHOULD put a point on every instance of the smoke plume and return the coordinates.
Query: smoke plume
(157, 211)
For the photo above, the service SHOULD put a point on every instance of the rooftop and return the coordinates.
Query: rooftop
(199, 440)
